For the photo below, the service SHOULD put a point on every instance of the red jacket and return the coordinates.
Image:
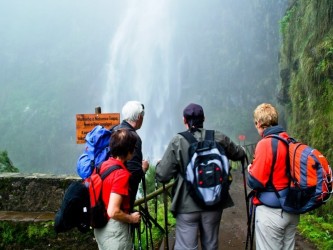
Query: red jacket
(261, 167)
(116, 182)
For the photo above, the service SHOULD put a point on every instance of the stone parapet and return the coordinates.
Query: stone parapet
(33, 192)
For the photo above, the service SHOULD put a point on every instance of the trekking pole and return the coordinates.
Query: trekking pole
(165, 199)
(138, 227)
(132, 227)
(147, 214)
(248, 236)
(145, 218)
(250, 225)
(146, 205)
(253, 225)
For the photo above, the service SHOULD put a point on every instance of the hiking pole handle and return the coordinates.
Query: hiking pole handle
(244, 161)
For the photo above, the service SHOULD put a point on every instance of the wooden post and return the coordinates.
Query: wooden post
(98, 110)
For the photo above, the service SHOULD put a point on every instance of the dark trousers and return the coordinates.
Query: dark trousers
(134, 182)
(206, 223)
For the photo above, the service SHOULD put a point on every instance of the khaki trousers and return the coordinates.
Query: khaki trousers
(275, 229)
(114, 236)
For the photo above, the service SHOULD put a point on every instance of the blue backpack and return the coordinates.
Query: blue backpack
(96, 151)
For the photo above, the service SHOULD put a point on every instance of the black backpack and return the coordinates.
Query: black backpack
(74, 209)
(207, 174)
(82, 205)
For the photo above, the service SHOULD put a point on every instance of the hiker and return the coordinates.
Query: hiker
(192, 218)
(115, 191)
(274, 228)
(133, 113)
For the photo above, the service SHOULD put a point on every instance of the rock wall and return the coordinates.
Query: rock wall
(306, 64)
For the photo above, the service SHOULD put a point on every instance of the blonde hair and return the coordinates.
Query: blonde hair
(266, 114)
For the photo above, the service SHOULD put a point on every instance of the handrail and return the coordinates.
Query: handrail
(153, 194)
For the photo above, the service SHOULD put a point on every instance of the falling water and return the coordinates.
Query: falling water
(222, 54)
(141, 67)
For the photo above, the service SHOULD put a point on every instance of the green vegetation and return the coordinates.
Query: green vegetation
(318, 229)
(41, 235)
(306, 65)
(306, 92)
(151, 185)
(156, 210)
(6, 164)
(21, 234)
(284, 22)
(317, 226)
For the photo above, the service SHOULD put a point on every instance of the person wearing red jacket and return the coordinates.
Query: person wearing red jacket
(116, 196)
(274, 228)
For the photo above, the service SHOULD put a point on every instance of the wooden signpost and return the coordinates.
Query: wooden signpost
(86, 122)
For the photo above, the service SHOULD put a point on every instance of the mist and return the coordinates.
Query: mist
(62, 58)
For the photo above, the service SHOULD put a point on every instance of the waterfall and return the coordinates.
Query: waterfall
(142, 67)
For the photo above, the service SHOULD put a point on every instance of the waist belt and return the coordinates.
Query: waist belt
(270, 199)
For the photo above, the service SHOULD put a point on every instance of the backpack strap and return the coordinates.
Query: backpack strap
(279, 138)
(109, 171)
(188, 136)
(274, 146)
(209, 135)
(113, 128)
(105, 174)
(274, 149)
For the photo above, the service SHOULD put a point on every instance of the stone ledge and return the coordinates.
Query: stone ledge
(26, 216)
(33, 192)
(39, 175)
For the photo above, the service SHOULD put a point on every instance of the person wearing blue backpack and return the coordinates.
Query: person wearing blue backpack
(133, 113)
(274, 228)
(97, 148)
(192, 217)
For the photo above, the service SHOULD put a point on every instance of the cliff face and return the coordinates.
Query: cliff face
(306, 70)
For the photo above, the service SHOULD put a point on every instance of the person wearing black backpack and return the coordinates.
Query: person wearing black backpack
(193, 217)
(274, 228)
(115, 194)
(133, 113)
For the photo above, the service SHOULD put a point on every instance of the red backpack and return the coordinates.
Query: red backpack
(94, 183)
(310, 177)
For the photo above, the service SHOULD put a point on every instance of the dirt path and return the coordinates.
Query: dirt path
(233, 227)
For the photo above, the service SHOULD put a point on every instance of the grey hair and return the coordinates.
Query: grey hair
(132, 110)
